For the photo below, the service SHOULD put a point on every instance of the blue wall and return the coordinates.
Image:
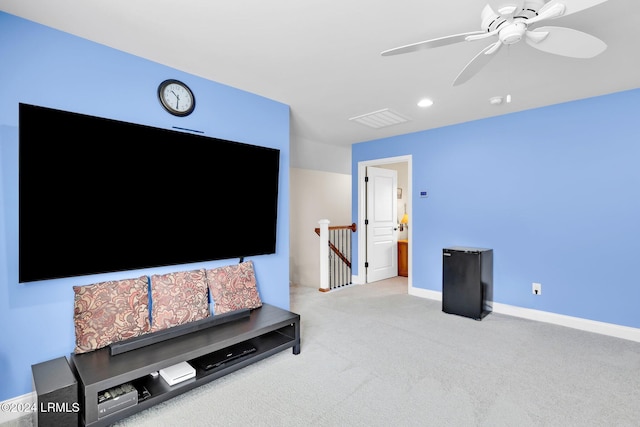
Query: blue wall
(46, 67)
(553, 191)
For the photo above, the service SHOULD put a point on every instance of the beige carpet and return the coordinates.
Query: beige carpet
(374, 356)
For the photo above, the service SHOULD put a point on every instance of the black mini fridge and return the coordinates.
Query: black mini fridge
(467, 281)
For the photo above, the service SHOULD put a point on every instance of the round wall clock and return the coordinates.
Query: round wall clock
(176, 97)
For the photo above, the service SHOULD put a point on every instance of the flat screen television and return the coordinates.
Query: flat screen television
(98, 195)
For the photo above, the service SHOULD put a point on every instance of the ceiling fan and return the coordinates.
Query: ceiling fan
(511, 21)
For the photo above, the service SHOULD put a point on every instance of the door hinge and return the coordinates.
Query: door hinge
(366, 265)
(366, 222)
(366, 179)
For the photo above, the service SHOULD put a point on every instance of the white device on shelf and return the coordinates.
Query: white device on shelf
(177, 373)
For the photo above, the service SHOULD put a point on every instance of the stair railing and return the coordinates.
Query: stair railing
(335, 255)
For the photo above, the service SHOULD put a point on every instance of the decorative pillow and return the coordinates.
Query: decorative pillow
(233, 287)
(178, 298)
(110, 311)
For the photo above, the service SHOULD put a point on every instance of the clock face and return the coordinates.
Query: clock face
(176, 97)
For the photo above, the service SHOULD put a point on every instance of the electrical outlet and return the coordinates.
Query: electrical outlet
(536, 288)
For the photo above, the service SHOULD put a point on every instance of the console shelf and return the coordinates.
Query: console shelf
(269, 329)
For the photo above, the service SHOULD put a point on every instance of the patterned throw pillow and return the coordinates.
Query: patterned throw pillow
(233, 287)
(178, 298)
(109, 312)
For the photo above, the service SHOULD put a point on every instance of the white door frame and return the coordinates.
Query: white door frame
(361, 278)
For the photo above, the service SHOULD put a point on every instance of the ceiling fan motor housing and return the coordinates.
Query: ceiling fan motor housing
(530, 8)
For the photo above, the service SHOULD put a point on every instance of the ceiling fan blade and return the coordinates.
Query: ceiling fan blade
(477, 63)
(506, 7)
(483, 35)
(571, 6)
(429, 44)
(566, 42)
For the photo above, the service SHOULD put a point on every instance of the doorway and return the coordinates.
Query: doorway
(404, 206)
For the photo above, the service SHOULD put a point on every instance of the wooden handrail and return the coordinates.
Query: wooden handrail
(340, 255)
(351, 227)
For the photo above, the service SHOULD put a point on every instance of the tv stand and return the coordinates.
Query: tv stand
(269, 329)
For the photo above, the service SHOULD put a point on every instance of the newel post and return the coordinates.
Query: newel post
(324, 254)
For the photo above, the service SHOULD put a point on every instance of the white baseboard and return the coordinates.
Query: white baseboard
(19, 402)
(618, 331)
(425, 293)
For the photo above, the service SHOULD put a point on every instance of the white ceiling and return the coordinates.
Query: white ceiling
(322, 57)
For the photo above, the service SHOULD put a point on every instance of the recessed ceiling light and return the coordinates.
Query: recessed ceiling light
(424, 103)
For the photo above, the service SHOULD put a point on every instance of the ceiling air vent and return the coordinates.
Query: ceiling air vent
(380, 119)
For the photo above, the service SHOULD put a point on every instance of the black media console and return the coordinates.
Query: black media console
(268, 329)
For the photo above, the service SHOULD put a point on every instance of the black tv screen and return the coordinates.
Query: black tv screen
(98, 195)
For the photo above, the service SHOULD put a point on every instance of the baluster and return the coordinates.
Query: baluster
(335, 265)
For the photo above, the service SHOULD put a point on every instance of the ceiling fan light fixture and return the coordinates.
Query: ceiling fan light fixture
(425, 102)
(513, 33)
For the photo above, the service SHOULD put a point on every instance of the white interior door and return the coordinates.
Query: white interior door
(382, 238)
